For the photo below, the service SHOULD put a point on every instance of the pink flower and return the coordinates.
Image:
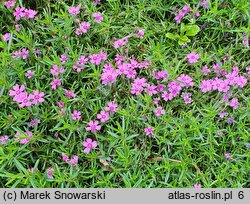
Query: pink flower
(103, 116)
(69, 94)
(16, 90)
(76, 115)
(33, 122)
(159, 111)
(227, 156)
(60, 104)
(206, 85)
(63, 58)
(95, 59)
(4, 139)
(55, 83)
(17, 26)
(84, 26)
(97, 17)
(149, 131)
(24, 99)
(19, 12)
(25, 140)
(234, 103)
(10, 4)
(193, 57)
(29, 74)
(24, 53)
(151, 90)
(89, 144)
(6, 37)
(112, 106)
(31, 170)
(93, 126)
(37, 97)
(120, 43)
(65, 158)
(50, 172)
(186, 9)
(74, 10)
(140, 33)
(197, 14)
(29, 13)
(197, 185)
(179, 16)
(56, 70)
(74, 160)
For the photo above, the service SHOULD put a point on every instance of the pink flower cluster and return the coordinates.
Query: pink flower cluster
(72, 161)
(161, 75)
(21, 12)
(185, 10)
(97, 58)
(83, 28)
(25, 99)
(24, 53)
(124, 67)
(56, 71)
(23, 138)
(103, 116)
(89, 144)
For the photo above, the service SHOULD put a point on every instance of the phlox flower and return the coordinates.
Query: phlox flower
(159, 111)
(63, 58)
(74, 160)
(4, 139)
(16, 90)
(228, 156)
(29, 74)
(69, 94)
(74, 10)
(121, 42)
(140, 33)
(93, 126)
(149, 131)
(112, 107)
(50, 172)
(197, 185)
(89, 144)
(65, 158)
(193, 57)
(10, 4)
(6, 37)
(97, 17)
(55, 83)
(37, 97)
(234, 103)
(56, 70)
(103, 116)
(76, 115)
